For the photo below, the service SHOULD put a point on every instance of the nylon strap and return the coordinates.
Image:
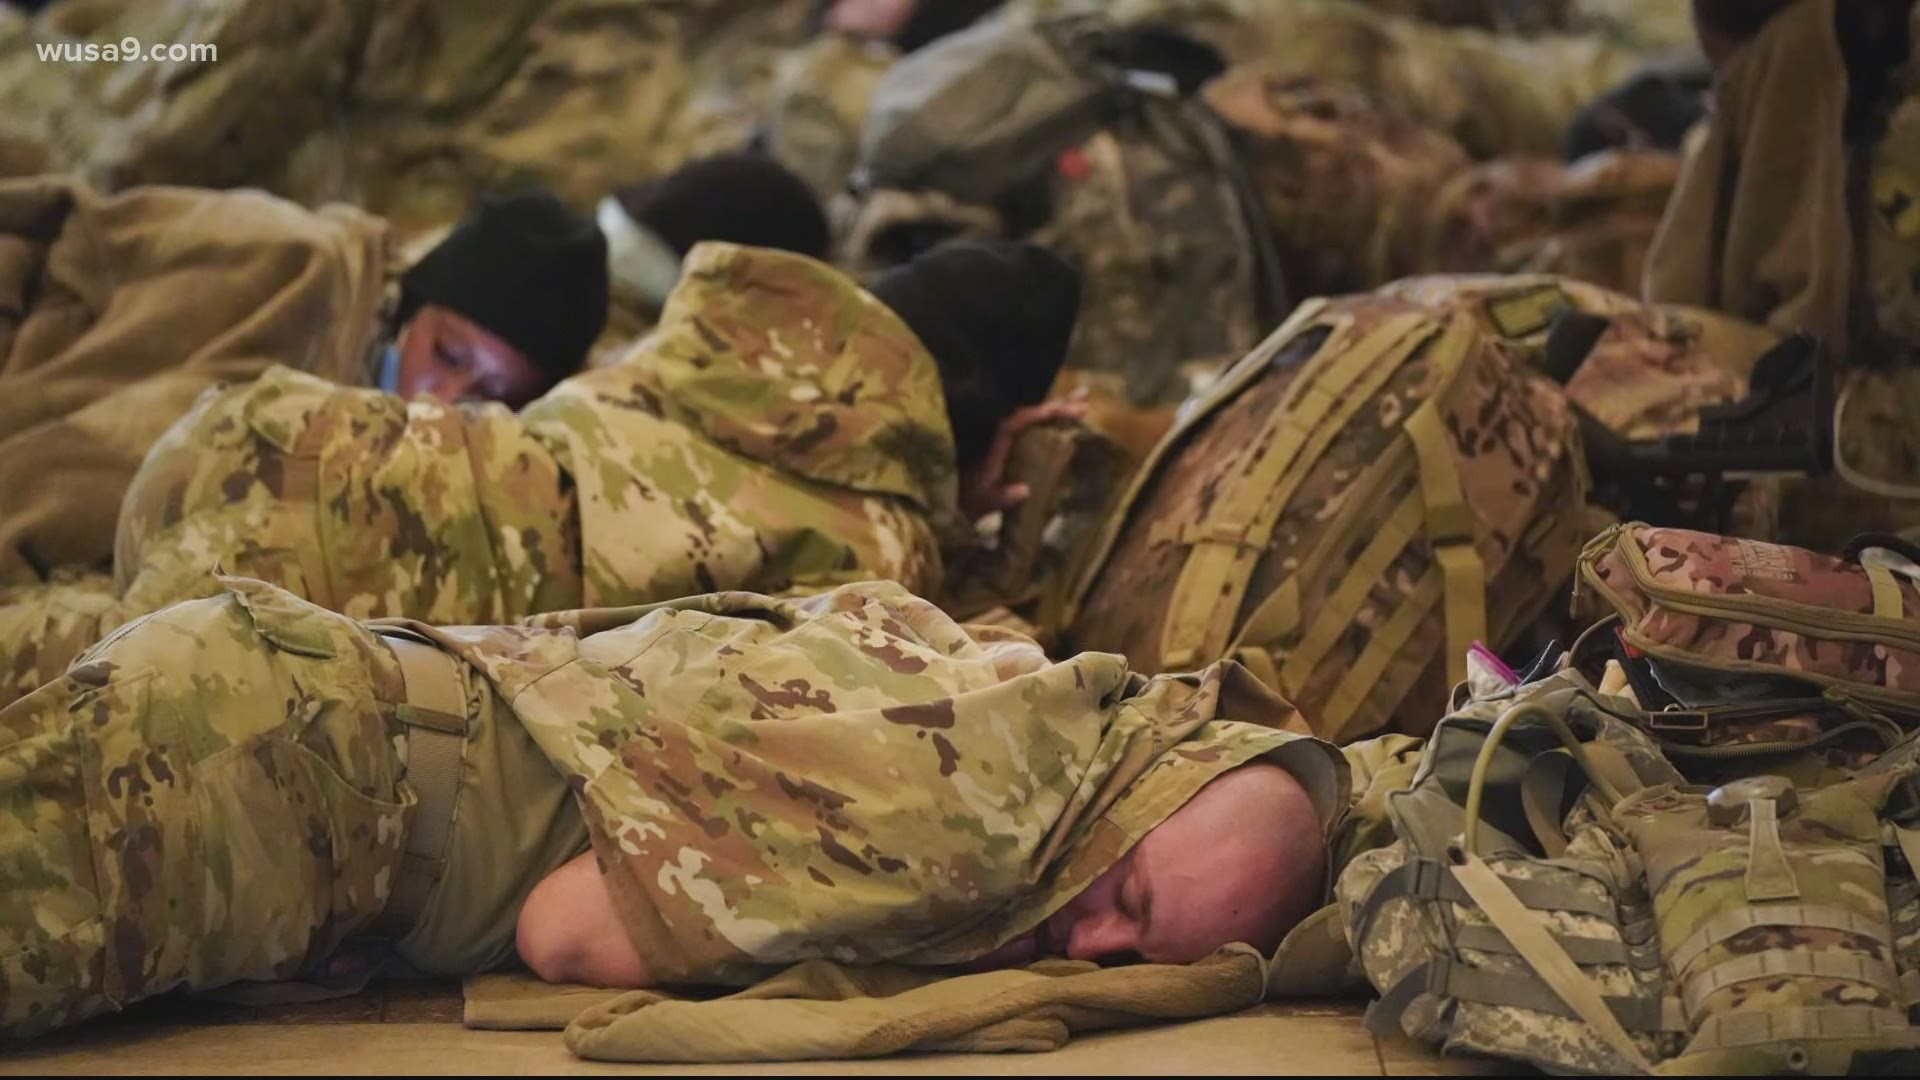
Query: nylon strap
(1333, 617)
(1450, 530)
(1542, 953)
(1751, 1027)
(1542, 792)
(1611, 763)
(1648, 1014)
(1383, 1016)
(1734, 921)
(1583, 950)
(435, 715)
(1225, 389)
(1788, 963)
(1450, 524)
(1887, 602)
(1278, 616)
(1259, 661)
(1427, 879)
(1322, 398)
(1909, 840)
(1769, 874)
(1360, 680)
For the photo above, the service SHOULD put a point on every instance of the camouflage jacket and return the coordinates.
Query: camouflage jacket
(708, 742)
(782, 430)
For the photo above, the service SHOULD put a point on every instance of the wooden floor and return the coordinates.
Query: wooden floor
(416, 1029)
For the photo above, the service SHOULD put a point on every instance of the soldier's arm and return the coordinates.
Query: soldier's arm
(569, 932)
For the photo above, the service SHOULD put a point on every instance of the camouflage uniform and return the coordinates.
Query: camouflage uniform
(782, 429)
(252, 738)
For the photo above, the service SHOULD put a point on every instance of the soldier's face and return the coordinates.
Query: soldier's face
(450, 357)
(1241, 861)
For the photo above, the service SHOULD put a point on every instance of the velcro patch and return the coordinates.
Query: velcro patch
(1527, 312)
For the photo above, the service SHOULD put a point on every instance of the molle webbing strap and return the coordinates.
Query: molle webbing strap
(1636, 1013)
(1734, 921)
(1364, 676)
(1333, 616)
(1450, 523)
(1583, 950)
(1442, 977)
(1225, 389)
(1769, 874)
(1789, 964)
(1278, 617)
(1460, 584)
(1544, 955)
(435, 715)
(1428, 879)
(1323, 397)
(1732, 1030)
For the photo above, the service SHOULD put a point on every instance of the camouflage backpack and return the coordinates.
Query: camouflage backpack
(1374, 488)
(1085, 137)
(1704, 611)
(1559, 894)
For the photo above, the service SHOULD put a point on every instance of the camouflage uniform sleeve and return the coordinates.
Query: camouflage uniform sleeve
(44, 627)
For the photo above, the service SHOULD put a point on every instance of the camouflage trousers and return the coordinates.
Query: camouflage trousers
(212, 794)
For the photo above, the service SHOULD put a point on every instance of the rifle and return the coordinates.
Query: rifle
(1783, 427)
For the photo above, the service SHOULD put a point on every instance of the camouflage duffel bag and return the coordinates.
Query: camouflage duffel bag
(1703, 609)
(1558, 895)
(1353, 504)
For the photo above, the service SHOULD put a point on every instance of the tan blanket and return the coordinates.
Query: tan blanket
(819, 1010)
(117, 311)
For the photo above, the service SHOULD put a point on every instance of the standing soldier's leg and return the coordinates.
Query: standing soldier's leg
(212, 794)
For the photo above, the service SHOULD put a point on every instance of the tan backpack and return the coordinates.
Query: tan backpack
(1357, 501)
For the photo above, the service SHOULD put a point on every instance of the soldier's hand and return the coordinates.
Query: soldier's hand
(987, 490)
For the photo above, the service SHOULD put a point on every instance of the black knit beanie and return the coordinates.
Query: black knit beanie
(934, 19)
(527, 269)
(997, 317)
(741, 198)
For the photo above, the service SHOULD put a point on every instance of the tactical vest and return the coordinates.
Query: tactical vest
(1718, 880)
(1356, 502)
